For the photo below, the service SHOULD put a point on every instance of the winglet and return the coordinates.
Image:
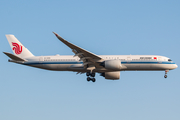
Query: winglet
(55, 33)
(59, 37)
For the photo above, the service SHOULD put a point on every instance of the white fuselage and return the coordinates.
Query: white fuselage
(128, 62)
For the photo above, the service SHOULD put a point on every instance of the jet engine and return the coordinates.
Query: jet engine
(111, 75)
(112, 64)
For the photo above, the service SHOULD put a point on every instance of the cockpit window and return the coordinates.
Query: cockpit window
(169, 60)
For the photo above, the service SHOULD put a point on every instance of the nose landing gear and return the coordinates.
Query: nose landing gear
(90, 78)
(166, 71)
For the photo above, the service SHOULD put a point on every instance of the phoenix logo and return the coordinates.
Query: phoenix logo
(17, 48)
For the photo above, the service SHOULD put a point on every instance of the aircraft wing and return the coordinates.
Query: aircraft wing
(87, 57)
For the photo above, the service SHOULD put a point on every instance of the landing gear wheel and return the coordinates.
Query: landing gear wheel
(92, 74)
(87, 74)
(165, 76)
(88, 79)
(93, 80)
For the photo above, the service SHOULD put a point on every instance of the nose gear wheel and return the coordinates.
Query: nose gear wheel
(166, 71)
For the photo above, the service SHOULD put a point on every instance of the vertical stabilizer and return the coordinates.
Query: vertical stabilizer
(18, 49)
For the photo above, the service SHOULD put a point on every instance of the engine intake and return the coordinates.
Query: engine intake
(112, 64)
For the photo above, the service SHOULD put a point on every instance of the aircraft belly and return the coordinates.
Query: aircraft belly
(56, 67)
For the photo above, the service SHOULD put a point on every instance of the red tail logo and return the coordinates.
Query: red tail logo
(17, 48)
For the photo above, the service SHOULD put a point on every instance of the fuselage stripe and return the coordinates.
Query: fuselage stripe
(124, 62)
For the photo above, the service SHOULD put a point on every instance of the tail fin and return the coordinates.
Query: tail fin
(18, 48)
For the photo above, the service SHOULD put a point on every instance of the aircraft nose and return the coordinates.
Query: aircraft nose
(175, 66)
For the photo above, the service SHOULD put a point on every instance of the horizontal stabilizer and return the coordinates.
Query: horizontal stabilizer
(14, 57)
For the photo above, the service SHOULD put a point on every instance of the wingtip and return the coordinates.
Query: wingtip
(4, 52)
(55, 34)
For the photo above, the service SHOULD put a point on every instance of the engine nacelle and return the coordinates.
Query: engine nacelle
(112, 64)
(111, 75)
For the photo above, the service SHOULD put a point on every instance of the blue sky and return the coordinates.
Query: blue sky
(102, 27)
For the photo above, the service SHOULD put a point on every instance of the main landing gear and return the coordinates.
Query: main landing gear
(166, 71)
(91, 78)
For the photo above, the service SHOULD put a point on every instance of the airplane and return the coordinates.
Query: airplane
(109, 66)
